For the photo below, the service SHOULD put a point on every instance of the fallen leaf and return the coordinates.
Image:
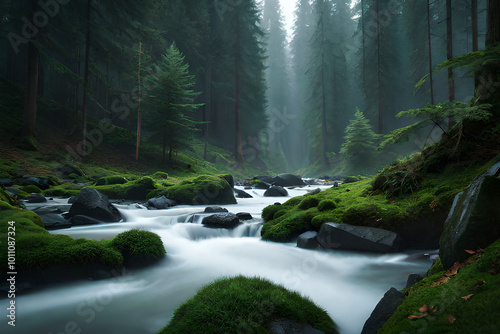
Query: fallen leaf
(467, 297)
(470, 252)
(451, 318)
(411, 317)
(423, 309)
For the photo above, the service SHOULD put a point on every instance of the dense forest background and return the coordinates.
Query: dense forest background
(278, 99)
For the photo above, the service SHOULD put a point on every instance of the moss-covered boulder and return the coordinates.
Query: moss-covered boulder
(474, 220)
(139, 247)
(133, 190)
(463, 299)
(116, 179)
(7, 197)
(202, 190)
(249, 305)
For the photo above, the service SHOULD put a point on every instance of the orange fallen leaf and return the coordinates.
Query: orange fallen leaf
(451, 318)
(470, 252)
(411, 317)
(423, 309)
(467, 297)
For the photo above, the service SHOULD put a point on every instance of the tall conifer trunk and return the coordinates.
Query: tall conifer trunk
(449, 49)
(429, 38)
(86, 78)
(30, 109)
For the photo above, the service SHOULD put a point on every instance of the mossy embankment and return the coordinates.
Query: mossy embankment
(242, 304)
(401, 198)
(459, 300)
(43, 256)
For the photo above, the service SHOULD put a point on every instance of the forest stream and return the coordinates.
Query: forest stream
(346, 284)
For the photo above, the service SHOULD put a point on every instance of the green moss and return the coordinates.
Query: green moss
(288, 227)
(37, 249)
(475, 315)
(139, 243)
(31, 189)
(202, 190)
(327, 205)
(161, 175)
(269, 211)
(308, 202)
(240, 304)
(64, 190)
(7, 197)
(117, 179)
(133, 190)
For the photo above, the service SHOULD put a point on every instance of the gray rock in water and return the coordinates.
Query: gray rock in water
(215, 209)
(276, 191)
(244, 216)
(288, 180)
(54, 221)
(36, 198)
(94, 204)
(308, 240)
(287, 326)
(242, 194)
(474, 219)
(412, 279)
(221, 220)
(79, 220)
(383, 311)
(160, 203)
(359, 238)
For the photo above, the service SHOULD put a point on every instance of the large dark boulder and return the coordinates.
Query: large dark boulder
(94, 204)
(41, 183)
(79, 220)
(222, 220)
(288, 326)
(474, 219)
(54, 221)
(383, 311)
(215, 209)
(36, 198)
(288, 180)
(358, 238)
(242, 194)
(276, 191)
(160, 203)
(308, 240)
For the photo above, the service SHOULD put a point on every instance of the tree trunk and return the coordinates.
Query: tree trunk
(239, 145)
(449, 50)
(493, 22)
(86, 79)
(324, 136)
(75, 92)
(139, 107)
(429, 38)
(30, 97)
(164, 143)
(363, 38)
(475, 42)
(379, 79)
(208, 104)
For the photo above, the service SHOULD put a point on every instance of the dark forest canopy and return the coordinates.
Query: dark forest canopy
(275, 98)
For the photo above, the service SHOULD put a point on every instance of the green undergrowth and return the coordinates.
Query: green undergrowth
(37, 249)
(466, 303)
(249, 305)
(366, 203)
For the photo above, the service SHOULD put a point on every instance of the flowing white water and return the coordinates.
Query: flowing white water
(346, 284)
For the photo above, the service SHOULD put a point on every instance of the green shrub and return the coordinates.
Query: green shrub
(326, 205)
(139, 243)
(233, 304)
(308, 202)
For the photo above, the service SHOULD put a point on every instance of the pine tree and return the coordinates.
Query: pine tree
(360, 142)
(170, 102)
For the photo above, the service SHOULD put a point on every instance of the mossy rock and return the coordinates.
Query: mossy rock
(478, 281)
(111, 180)
(269, 211)
(161, 175)
(133, 190)
(7, 197)
(250, 305)
(202, 190)
(327, 205)
(287, 228)
(64, 190)
(139, 247)
(308, 202)
(31, 189)
(37, 249)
